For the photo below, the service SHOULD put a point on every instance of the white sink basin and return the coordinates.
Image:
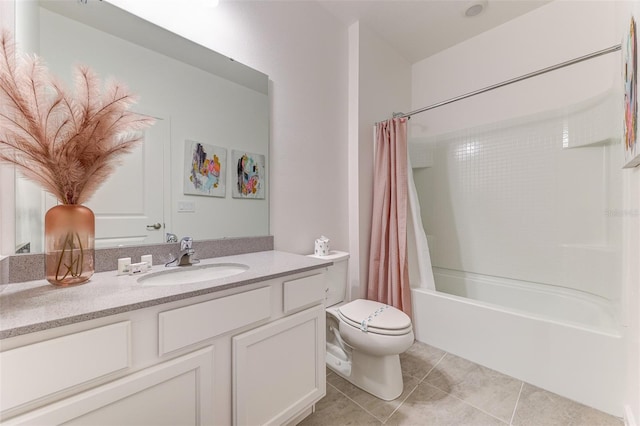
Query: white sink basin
(193, 274)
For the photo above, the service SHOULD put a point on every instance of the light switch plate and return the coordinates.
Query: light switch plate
(186, 206)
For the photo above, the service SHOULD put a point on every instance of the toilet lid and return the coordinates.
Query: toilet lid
(376, 317)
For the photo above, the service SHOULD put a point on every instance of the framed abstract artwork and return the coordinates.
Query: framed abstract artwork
(205, 169)
(630, 77)
(249, 173)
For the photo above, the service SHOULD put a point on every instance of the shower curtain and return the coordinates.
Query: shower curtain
(420, 272)
(388, 266)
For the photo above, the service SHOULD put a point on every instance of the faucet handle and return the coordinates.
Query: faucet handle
(171, 238)
(186, 243)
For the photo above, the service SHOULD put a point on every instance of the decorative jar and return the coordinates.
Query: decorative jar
(69, 244)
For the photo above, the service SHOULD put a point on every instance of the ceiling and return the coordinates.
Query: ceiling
(420, 28)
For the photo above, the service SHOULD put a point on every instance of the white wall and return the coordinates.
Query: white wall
(631, 247)
(303, 49)
(554, 33)
(379, 84)
(631, 290)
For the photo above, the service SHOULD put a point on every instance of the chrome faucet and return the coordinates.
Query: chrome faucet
(185, 257)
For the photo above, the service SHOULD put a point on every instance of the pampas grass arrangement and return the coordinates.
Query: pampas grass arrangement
(68, 143)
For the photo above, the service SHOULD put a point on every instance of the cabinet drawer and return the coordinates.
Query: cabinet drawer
(304, 292)
(43, 368)
(192, 324)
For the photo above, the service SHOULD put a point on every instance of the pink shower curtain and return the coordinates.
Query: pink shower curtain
(388, 267)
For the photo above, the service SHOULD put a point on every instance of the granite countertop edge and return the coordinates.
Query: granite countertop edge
(295, 264)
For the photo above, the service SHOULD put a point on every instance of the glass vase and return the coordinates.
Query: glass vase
(69, 231)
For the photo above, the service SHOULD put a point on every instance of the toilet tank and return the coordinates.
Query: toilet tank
(337, 276)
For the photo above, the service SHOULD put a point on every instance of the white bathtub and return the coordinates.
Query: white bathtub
(560, 340)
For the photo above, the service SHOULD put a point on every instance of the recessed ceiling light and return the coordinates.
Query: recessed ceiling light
(475, 8)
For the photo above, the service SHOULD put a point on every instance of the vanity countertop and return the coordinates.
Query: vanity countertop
(37, 305)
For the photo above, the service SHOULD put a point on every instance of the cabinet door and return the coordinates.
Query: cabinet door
(177, 392)
(278, 369)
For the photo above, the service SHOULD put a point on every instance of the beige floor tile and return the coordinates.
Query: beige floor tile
(538, 407)
(457, 392)
(335, 409)
(486, 389)
(379, 408)
(428, 405)
(419, 359)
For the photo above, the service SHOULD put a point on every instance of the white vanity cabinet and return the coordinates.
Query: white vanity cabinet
(245, 356)
(278, 368)
(176, 392)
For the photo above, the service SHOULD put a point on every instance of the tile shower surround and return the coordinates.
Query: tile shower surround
(526, 192)
(443, 389)
(28, 267)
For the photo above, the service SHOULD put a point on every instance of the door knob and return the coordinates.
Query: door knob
(155, 226)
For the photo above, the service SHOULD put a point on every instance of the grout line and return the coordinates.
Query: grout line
(414, 388)
(347, 396)
(434, 367)
(459, 399)
(516, 406)
(469, 404)
(401, 402)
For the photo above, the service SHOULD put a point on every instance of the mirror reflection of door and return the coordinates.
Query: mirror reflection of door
(129, 205)
(208, 98)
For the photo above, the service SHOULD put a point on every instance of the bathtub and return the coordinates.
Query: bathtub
(564, 341)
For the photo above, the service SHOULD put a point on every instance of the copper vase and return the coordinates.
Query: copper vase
(69, 244)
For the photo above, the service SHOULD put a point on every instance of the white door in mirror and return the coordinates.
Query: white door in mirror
(129, 205)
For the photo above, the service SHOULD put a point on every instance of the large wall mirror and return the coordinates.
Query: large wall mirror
(197, 97)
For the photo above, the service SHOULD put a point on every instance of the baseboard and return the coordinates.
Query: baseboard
(629, 420)
(302, 415)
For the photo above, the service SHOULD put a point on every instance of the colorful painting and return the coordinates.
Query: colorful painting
(630, 68)
(205, 169)
(250, 176)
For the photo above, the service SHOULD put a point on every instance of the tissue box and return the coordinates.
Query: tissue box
(322, 246)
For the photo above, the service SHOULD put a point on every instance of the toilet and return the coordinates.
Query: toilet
(364, 338)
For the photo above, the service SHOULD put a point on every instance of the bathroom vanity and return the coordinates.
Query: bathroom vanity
(245, 349)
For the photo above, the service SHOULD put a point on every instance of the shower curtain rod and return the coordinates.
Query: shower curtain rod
(611, 49)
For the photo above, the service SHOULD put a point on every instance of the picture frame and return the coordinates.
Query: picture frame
(205, 169)
(630, 81)
(249, 172)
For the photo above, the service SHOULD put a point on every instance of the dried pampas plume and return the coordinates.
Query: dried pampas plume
(67, 143)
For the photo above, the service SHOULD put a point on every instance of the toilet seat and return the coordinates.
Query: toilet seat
(374, 317)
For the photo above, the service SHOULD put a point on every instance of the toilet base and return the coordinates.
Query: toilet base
(381, 376)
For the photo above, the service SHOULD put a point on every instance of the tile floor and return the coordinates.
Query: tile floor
(443, 389)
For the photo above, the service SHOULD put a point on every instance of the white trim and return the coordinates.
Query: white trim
(7, 210)
(629, 420)
(7, 219)
(355, 287)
